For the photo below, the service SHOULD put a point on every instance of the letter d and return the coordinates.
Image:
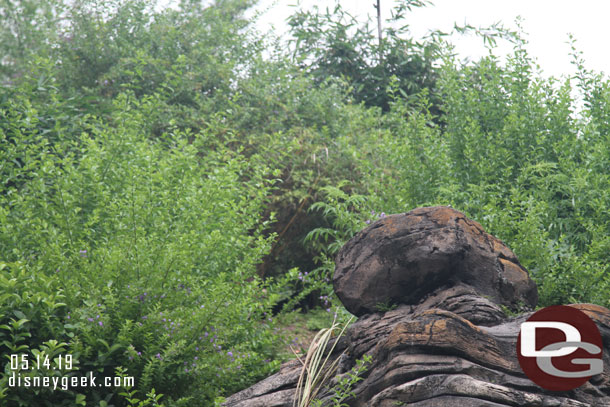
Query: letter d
(528, 338)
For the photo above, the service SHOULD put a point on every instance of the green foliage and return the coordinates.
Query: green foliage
(334, 44)
(147, 250)
(32, 313)
(167, 179)
(340, 208)
(344, 213)
(385, 307)
(25, 32)
(529, 170)
(511, 152)
(343, 390)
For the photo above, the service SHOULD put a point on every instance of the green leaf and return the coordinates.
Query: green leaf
(19, 314)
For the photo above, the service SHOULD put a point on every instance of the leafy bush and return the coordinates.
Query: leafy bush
(512, 152)
(335, 44)
(166, 178)
(149, 246)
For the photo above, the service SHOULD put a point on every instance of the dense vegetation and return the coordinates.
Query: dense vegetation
(173, 181)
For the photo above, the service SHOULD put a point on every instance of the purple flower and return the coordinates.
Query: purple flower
(158, 356)
(230, 354)
(100, 323)
(90, 319)
(83, 253)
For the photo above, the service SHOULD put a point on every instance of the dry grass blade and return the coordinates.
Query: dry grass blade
(316, 368)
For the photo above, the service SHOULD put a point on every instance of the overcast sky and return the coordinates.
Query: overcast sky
(546, 23)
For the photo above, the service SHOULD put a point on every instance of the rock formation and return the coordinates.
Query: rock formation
(430, 288)
(403, 258)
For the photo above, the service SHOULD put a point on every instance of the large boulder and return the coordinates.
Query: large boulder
(431, 288)
(402, 258)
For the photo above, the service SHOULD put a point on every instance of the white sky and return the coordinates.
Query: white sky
(546, 23)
